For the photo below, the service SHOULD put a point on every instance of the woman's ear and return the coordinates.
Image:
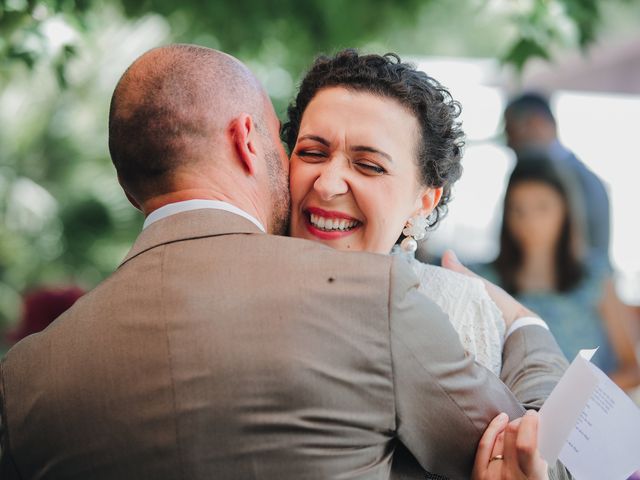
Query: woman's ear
(242, 131)
(428, 201)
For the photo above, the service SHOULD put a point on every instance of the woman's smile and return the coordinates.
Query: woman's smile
(330, 225)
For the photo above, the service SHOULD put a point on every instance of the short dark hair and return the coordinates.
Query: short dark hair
(166, 107)
(152, 135)
(569, 267)
(145, 147)
(440, 148)
(530, 103)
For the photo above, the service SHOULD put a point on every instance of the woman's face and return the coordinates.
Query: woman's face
(354, 179)
(535, 215)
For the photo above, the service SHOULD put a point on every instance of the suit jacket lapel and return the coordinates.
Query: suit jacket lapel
(200, 223)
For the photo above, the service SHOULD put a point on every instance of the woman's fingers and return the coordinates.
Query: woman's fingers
(517, 445)
(521, 456)
(529, 459)
(511, 461)
(527, 442)
(450, 261)
(487, 443)
(511, 309)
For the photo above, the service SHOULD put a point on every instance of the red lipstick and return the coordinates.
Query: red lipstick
(329, 235)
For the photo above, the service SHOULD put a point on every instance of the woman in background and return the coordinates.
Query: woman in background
(541, 263)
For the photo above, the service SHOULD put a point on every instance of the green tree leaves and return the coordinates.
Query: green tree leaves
(32, 31)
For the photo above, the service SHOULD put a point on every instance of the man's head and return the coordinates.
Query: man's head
(529, 123)
(190, 122)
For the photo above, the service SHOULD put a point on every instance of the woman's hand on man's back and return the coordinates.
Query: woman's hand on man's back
(511, 309)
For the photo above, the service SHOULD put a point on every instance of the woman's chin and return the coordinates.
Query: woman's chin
(348, 243)
(345, 244)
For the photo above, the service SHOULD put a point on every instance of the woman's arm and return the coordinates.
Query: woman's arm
(473, 314)
(619, 322)
(533, 363)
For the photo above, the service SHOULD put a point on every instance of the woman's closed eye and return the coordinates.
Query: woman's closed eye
(370, 168)
(311, 154)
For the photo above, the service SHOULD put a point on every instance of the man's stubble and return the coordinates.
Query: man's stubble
(280, 195)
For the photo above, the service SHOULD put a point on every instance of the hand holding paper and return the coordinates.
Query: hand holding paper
(590, 424)
(509, 450)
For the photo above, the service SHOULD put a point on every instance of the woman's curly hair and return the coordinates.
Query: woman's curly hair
(440, 149)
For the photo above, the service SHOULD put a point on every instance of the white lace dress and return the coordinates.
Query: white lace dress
(474, 315)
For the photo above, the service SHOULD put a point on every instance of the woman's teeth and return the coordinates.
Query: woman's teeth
(332, 224)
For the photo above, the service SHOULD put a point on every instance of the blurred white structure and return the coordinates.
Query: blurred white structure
(600, 127)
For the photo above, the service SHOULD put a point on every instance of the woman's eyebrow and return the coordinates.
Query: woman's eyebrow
(364, 148)
(316, 138)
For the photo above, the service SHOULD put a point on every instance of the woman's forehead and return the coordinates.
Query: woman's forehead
(360, 115)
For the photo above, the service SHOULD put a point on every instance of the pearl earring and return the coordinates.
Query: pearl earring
(414, 230)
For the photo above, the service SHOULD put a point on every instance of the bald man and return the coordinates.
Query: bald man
(219, 351)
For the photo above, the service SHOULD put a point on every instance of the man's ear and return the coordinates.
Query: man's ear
(429, 200)
(243, 134)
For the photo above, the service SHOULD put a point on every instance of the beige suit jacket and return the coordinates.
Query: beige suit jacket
(219, 352)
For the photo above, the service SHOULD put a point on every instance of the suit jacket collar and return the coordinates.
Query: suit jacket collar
(189, 225)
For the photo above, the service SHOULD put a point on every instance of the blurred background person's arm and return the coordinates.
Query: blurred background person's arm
(621, 325)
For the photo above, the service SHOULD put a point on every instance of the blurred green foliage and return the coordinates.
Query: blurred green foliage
(64, 218)
(246, 28)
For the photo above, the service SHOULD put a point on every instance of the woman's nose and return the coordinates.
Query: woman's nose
(331, 181)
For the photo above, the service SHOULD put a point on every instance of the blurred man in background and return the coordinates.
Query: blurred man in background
(530, 128)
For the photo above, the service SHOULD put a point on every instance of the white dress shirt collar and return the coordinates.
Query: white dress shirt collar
(188, 205)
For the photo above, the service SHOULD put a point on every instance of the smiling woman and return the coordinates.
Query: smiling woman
(348, 166)
(384, 119)
(376, 147)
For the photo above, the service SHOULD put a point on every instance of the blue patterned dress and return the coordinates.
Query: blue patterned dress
(573, 317)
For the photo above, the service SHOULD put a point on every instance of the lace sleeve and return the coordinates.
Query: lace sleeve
(473, 314)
